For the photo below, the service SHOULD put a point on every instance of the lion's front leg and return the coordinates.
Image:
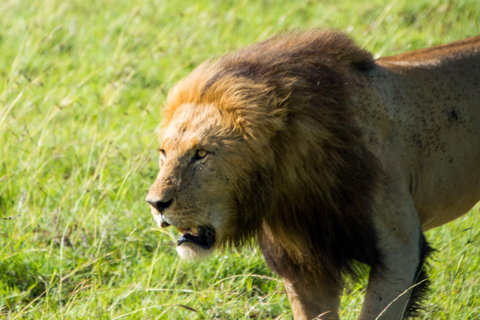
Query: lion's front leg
(397, 285)
(391, 290)
(313, 300)
(312, 296)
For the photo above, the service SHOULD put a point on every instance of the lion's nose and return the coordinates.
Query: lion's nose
(160, 205)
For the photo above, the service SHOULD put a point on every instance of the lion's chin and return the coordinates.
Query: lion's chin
(193, 253)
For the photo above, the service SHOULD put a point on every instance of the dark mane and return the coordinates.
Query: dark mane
(289, 97)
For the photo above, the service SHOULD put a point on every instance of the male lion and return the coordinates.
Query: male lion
(326, 157)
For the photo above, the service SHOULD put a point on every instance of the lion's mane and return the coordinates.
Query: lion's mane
(308, 194)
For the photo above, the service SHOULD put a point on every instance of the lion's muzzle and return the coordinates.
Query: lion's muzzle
(160, 205)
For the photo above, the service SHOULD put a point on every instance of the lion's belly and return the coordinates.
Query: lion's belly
(433, 211)
(447, 173)
(446, 191)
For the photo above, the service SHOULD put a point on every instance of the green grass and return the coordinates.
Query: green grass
(82, 83)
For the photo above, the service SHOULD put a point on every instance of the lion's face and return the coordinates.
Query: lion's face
(195, 190)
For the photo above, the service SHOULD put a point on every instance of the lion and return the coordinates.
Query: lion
(326, 158)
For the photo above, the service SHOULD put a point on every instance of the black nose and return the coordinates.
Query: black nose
(160, 205)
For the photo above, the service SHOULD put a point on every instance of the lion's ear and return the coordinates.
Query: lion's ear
(260, 125)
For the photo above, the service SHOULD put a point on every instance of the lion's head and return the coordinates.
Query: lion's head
(206, 172)
(261, 142)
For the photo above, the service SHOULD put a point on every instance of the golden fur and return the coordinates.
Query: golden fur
(291, 142)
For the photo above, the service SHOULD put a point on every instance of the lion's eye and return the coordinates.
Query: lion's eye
(200, 154)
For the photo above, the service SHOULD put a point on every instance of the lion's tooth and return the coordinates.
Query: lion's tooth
(181, 230)
(195, 231)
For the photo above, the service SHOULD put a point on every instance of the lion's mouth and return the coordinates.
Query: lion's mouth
(201, 236)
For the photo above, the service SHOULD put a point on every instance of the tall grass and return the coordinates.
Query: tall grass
(82, 83)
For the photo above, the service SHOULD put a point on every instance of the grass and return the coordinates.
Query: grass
(82, 83)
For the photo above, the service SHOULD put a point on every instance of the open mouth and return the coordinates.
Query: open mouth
(201, 236)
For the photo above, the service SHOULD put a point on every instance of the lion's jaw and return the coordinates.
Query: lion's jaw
(199, 216)
(193, 251)
(201, 232)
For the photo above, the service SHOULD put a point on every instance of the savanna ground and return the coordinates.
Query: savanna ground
(82, 83)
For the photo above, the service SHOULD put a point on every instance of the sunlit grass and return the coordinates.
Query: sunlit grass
(82, 83)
